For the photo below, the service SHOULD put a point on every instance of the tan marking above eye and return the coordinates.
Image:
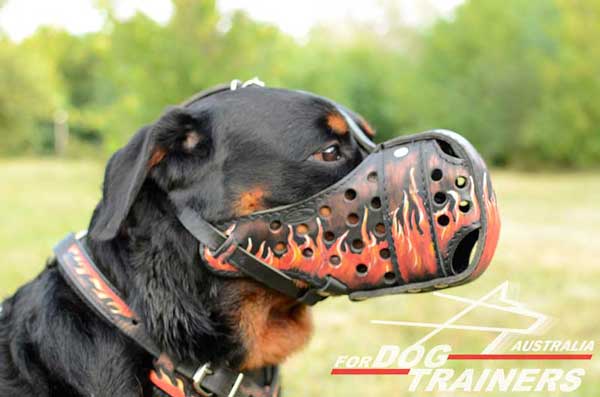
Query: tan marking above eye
(337, 123)
(192, 138)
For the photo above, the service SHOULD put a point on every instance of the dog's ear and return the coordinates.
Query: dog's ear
(176, 132)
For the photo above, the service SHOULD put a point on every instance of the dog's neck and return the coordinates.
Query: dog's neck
(189, 312)
(155, 265)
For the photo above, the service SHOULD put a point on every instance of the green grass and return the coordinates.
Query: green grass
(549, 249)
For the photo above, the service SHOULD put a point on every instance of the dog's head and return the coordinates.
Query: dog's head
(408, 219)
(227, 155)
(231, 154)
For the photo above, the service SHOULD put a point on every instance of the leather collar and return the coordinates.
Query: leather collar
(185, 379)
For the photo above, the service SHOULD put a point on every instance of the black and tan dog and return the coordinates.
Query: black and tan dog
(238, 151)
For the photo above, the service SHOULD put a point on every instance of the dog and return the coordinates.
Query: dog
(238, 151)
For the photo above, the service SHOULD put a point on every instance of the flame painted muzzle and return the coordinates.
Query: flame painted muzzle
(418, 213)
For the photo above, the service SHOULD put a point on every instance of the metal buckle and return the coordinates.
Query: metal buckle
(199, 376)
(236, 385)
(203, 372)
(235, 84)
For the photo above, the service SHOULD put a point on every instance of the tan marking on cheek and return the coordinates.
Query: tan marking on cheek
(157, 155)
(337, 123)
(366, 127)
(273, 326)
(250, 201)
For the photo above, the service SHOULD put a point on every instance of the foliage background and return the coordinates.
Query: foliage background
(519, 78)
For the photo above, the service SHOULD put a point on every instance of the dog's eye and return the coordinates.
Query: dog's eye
(331, 153)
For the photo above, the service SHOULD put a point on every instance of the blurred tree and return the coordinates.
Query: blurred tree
(75, 61)
(154, 65)
(518, 78)
(363, 74)
(565, 128)
(480, 74)
(28, 99)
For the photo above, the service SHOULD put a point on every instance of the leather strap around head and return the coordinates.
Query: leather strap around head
(175, 379)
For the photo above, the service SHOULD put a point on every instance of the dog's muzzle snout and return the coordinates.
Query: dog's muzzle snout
(418, 213)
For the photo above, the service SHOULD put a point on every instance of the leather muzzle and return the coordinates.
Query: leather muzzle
(418, 213)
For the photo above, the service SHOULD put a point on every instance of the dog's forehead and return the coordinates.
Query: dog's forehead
(272, 112)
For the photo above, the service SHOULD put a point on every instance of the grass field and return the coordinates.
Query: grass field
(549, 250)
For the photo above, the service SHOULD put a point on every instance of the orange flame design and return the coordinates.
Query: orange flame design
(174, 388)
(421, 235)
(319, 264)
(414, 245)
(99, 287)
(493, 229)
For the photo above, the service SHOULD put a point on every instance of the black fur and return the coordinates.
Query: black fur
(52, 344)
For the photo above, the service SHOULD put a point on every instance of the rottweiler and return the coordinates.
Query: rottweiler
(236, 152)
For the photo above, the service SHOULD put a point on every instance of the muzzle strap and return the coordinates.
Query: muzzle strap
(250, 265)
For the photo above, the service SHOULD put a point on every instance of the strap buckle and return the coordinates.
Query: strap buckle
(236, 385)
(198, 378)
(235, 84)
(204, 371)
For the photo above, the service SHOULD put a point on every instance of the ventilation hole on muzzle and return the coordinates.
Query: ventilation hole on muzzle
(462, 253)
(275, 226)
(352, 219)
(460, 182)
(389, 278)
(372, 177)
(443, 220)
(439, 197)
(376, 203)
(302, 229)
(350, 194)
(464, 205)
(335, 260)
(325, 211)
(380, 230)
(437, 174)
(357, 245)
(280, 248)
(307, 252)
(329, 236)
(362, 269)
(384, 253)
(446, 148)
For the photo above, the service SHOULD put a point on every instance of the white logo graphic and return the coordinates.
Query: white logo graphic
(425, 366)
(540, 322)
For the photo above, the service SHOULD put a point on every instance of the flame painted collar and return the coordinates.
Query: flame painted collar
(176, 379)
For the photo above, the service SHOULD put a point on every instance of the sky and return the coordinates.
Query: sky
(20, 18)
